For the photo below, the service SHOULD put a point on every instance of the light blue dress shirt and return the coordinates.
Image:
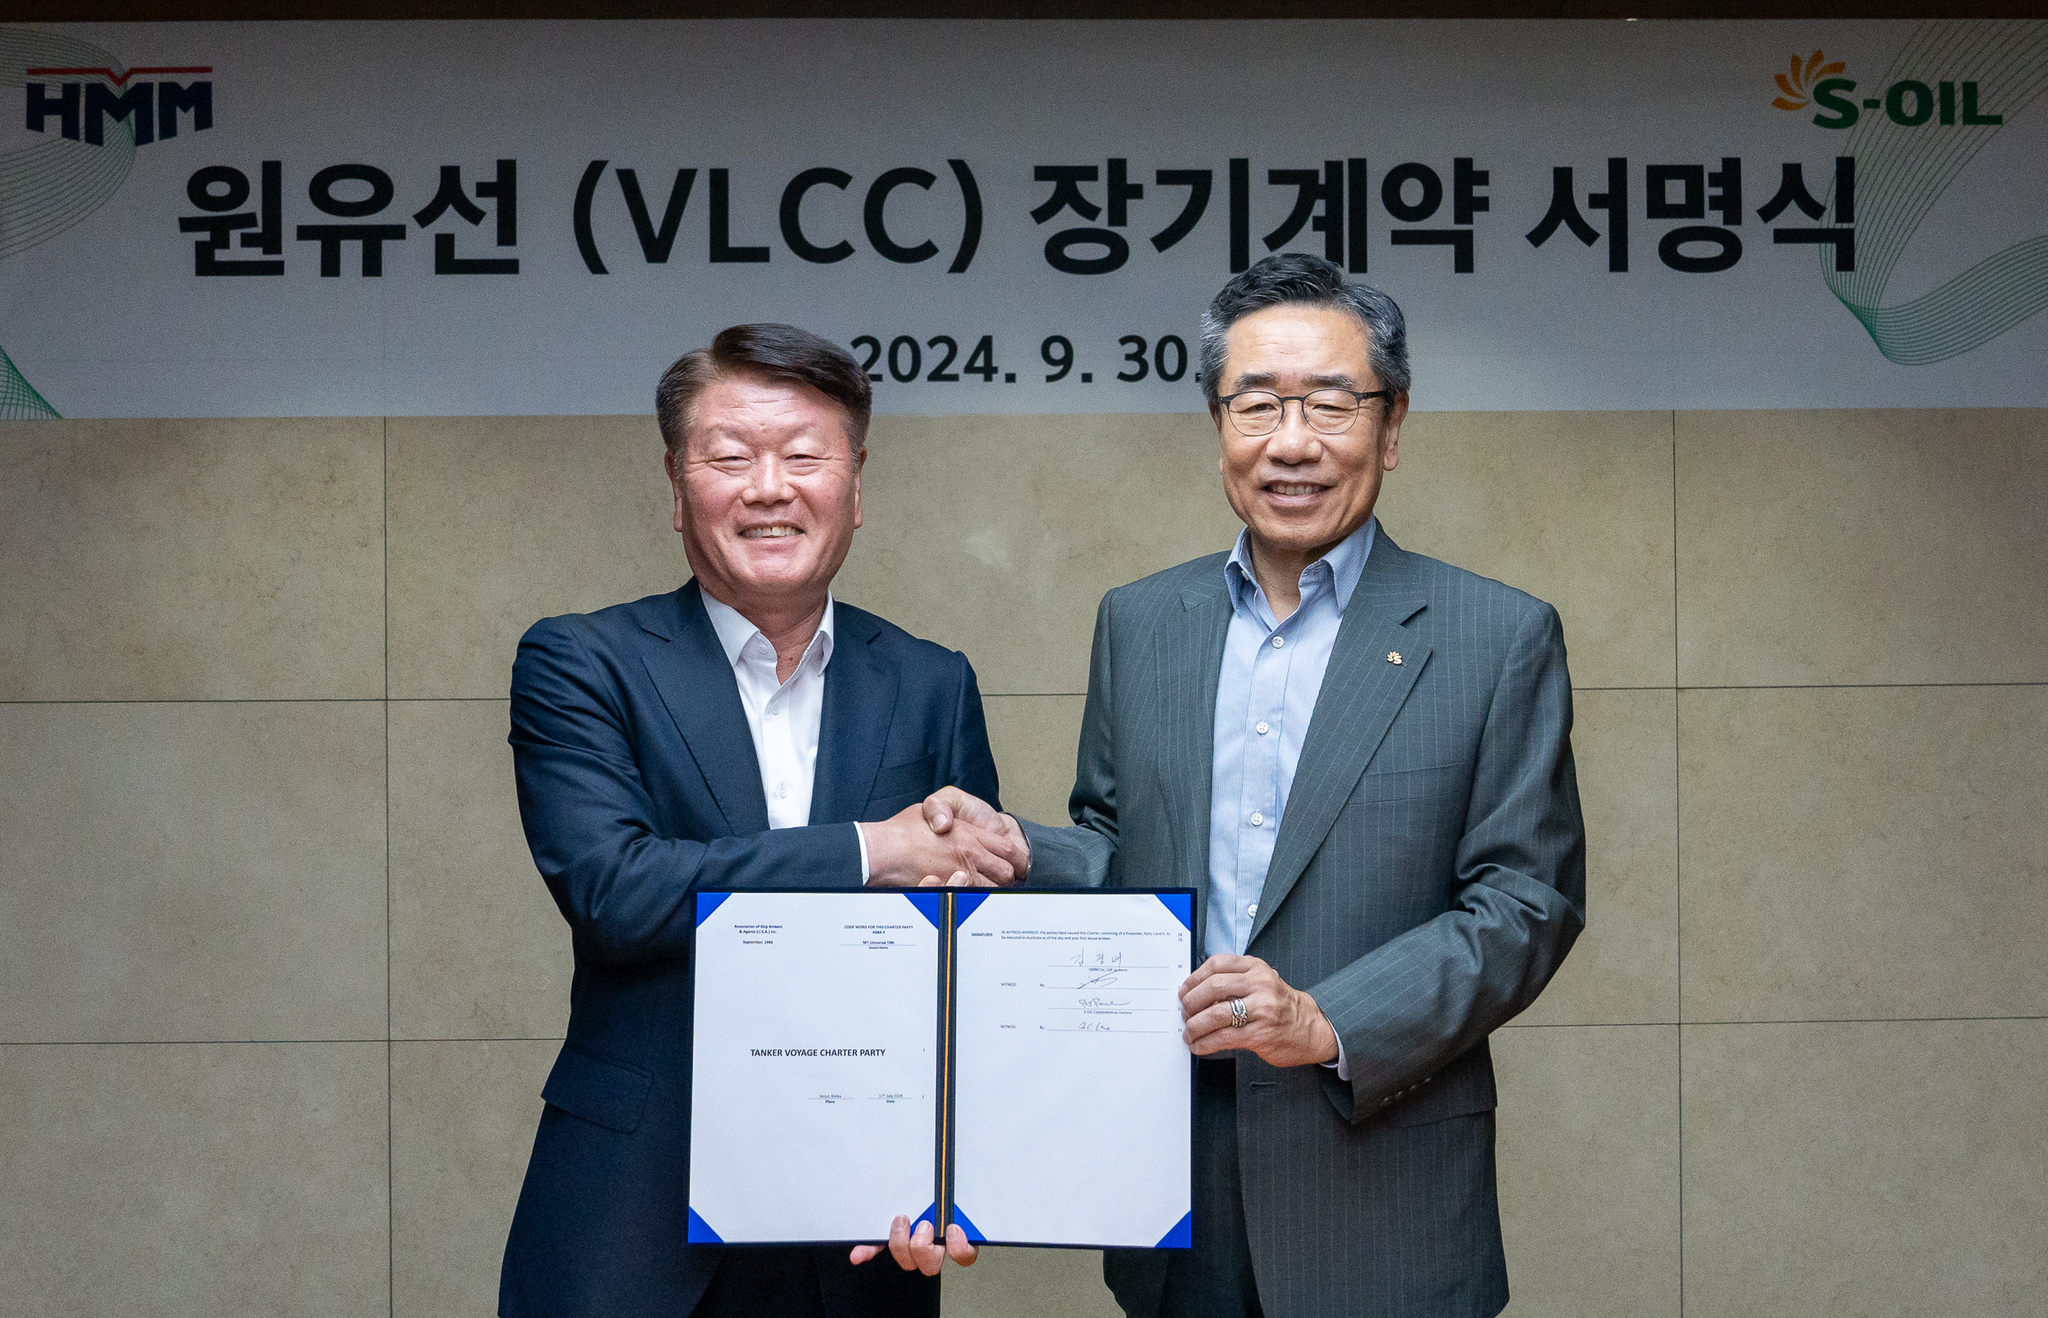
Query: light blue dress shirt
(1272, 674)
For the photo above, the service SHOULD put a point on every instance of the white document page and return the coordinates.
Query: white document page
(1072, 1088)
(813, 1098)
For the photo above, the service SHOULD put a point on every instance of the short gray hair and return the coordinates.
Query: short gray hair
(782, 353)
(1297, 279)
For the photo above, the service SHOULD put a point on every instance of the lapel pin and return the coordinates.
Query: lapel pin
(1393, 656)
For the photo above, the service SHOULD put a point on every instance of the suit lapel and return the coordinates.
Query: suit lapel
(853, 733)
(697, 685)
(1189, 661)
(1362, 691)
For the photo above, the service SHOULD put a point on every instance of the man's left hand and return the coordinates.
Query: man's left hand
(916, 1251)
(1283, 1025)
(960, 879)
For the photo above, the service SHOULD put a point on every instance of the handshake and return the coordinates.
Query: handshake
(950, 839)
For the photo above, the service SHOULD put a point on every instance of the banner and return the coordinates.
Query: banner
(536, 217)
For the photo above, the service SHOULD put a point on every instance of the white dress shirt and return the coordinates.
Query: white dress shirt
(782, 716)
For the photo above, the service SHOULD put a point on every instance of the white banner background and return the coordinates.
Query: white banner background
(107, 318)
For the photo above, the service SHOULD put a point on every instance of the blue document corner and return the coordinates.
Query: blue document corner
(1181, 1237)
(701, 1232)
(967, 1225)
(707, 902)
(932, 905)
(1182, 904)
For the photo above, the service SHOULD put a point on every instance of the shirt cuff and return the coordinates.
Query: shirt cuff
(861, 833)
(1340, 1066)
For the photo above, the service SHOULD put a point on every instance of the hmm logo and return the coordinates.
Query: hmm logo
(1908, 102)
(151, 109)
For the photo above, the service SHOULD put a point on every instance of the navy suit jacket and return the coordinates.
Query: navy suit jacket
(638, 784)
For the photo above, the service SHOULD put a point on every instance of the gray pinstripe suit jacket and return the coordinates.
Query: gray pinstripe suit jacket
(1427, 880)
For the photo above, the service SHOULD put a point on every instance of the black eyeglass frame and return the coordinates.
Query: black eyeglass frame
(1224, 400)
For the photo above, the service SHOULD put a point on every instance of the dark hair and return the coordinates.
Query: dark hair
(1297, 279)
(779, 352)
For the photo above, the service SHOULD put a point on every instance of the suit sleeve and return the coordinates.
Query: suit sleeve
(590, 822)
(1410, 1006)
(1084, 856)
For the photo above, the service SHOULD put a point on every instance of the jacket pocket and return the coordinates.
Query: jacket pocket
(899, 779)
(603, 1093)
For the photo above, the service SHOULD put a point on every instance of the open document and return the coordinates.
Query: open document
(1008, 1060)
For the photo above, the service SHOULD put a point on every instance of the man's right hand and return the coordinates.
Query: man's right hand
(904, 850)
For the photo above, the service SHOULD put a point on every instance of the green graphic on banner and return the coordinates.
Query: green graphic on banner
(51, 185)
(1905, 164)
(19, 400)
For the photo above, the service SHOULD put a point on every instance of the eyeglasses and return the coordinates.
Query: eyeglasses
(1258, 412)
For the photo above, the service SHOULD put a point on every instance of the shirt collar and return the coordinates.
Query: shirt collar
(735, 632)
(1345, 564)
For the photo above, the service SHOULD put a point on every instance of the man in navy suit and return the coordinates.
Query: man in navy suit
(745, 731)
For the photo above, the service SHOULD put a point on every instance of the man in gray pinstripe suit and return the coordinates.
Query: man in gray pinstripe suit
(1360, 758)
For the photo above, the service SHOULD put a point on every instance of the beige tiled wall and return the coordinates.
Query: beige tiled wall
(278, 984)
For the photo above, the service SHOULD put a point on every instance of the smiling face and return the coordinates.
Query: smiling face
(1299, 492)
(767, 493)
